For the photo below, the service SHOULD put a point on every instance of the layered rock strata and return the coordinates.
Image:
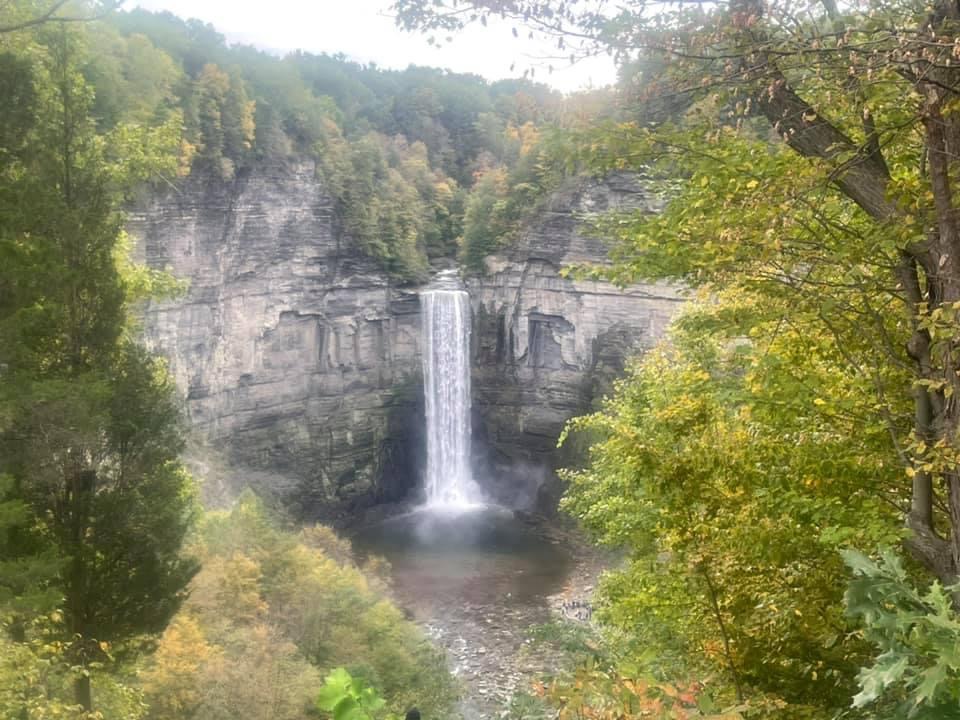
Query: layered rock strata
(297, 357)
(547, 347)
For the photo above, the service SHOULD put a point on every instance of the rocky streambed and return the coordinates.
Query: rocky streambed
(479, 580)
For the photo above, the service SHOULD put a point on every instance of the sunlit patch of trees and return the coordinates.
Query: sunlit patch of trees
(270, 613)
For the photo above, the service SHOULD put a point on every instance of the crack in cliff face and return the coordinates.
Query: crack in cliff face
(299, 358)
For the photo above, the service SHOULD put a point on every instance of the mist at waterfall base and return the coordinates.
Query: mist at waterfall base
(481, 557)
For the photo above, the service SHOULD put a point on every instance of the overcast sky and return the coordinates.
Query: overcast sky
(365, 31)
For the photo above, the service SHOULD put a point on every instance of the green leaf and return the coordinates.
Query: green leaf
(336, 686)
(932, 679)
(859, 563)
(349, 709)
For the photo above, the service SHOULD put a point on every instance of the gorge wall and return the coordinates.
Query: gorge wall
(299, 362)
(548, 347)
(298, 359)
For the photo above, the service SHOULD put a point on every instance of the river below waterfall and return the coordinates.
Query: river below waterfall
(477, 580)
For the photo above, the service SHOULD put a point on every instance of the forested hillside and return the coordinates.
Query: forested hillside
(120, 597)
(398, 150)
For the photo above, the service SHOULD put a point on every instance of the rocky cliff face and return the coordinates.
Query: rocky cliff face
(299, 360)
(546, 346)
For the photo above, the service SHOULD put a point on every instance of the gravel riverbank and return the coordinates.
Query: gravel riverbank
(479, 581)
(488, 644)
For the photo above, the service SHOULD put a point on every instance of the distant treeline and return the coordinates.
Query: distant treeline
(399, 150)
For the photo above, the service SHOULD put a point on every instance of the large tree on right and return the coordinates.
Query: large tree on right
(806, 155)
(867, 94)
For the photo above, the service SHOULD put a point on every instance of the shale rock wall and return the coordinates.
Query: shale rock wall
(548, 347)
(298, 358)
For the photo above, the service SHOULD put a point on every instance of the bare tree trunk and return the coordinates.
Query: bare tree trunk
(718, 615)
(82, 692)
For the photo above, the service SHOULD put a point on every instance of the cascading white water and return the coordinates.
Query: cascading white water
(446, 383)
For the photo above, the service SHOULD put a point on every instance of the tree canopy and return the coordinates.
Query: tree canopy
(398, 150)
(806, 154)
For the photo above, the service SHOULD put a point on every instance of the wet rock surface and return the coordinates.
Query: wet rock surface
(490, 649)
(486, 646)
(547, 345)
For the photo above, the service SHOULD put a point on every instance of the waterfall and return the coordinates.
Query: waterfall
(446, 386)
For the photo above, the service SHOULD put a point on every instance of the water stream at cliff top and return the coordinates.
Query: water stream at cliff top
(446, 384)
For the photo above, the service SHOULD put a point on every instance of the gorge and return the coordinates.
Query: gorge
(299, 358)
(290, 345)
(303, 367)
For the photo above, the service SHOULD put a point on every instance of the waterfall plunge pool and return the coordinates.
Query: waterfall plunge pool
(477, 577)
(477, 580)
(486, 555)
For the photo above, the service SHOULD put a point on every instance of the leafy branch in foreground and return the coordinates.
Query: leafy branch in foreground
(19, 16)
(731, 502)
(917, 673)
(600, 693)
(347, 698)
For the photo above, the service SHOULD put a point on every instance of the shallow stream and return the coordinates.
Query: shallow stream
(477, 579)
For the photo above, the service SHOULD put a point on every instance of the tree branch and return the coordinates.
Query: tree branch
(49, 15)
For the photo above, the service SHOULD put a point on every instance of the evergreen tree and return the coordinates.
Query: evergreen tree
(91, 437)
(29, 563)
(238, 120)
(210, 91)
